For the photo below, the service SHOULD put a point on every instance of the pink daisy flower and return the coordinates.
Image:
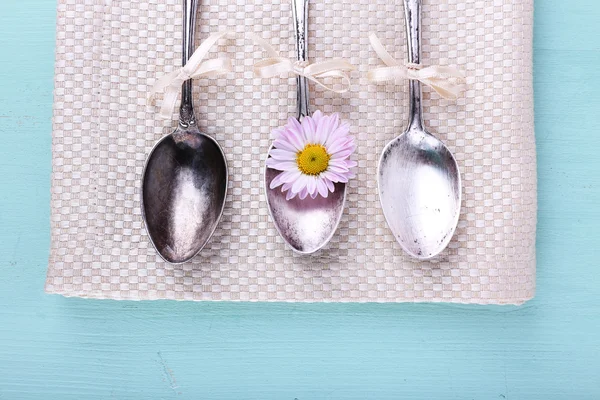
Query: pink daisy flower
(312, 155)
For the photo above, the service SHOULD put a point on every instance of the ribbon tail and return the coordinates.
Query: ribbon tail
(332, 74)
(271, 67)
(168, 104)
(387, 74)
(445, 81)
(448, 91)
(329, 69)
(264, 44)
(381, 51)
(213, 68)
(327, 66)
(444, 93)
(161, 84)
(196, 58)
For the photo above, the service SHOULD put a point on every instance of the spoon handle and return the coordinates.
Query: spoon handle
(186, 110)
(412, 14)
(300, 17)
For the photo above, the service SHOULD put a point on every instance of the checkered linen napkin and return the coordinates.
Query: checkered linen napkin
(108, 54)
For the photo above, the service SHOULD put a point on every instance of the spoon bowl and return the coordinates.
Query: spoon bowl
(306, 225)
(183, 193)
(420, 192)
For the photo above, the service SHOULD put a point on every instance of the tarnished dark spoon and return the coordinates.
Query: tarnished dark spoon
(185, 177)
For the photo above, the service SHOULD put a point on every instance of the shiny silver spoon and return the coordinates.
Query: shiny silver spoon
(418, 178)
(185, 177)
(306, 225)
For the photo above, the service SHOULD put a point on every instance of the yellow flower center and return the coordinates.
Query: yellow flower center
(313, 159)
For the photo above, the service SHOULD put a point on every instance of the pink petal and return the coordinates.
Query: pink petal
(284, 145)
(341, 131)
(329, 184)
(339, 144)
(322, 187)
(294, 125)
(334, 121)
(282, 165)
(311, 121)
(317, 116)
(342, 154)
(275, 133)
(322, 132)
(280, 154)
(277, 164)
(303, 193)
(308, 127)
(338, 162)
(335, 177)
(276, 182)
(311, 185)
(290, 176)
(330, 176)
(296, 139)
(351, 163)
(299, 184)
(337, 169)
(343, 178)
(314, 195)
(285, 178)
(290, 195)
(269, 161)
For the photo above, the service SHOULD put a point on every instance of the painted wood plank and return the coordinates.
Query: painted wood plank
(56, 348)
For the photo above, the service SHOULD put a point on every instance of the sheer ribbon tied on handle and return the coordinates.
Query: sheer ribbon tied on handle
(196, 67)
(275, 65)
(448, 82)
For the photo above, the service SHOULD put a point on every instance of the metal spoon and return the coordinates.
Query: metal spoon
(306, 225)
(185, 177)
(418, 177)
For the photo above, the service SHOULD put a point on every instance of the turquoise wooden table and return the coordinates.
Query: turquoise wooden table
(57, 348)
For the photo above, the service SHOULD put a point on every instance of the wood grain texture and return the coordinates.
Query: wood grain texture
(57, 348)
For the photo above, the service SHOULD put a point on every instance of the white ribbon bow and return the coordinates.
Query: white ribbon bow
(171, 83)
(446, 81)
(276, 65)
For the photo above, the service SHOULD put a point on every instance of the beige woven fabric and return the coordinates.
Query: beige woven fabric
(107, 56)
